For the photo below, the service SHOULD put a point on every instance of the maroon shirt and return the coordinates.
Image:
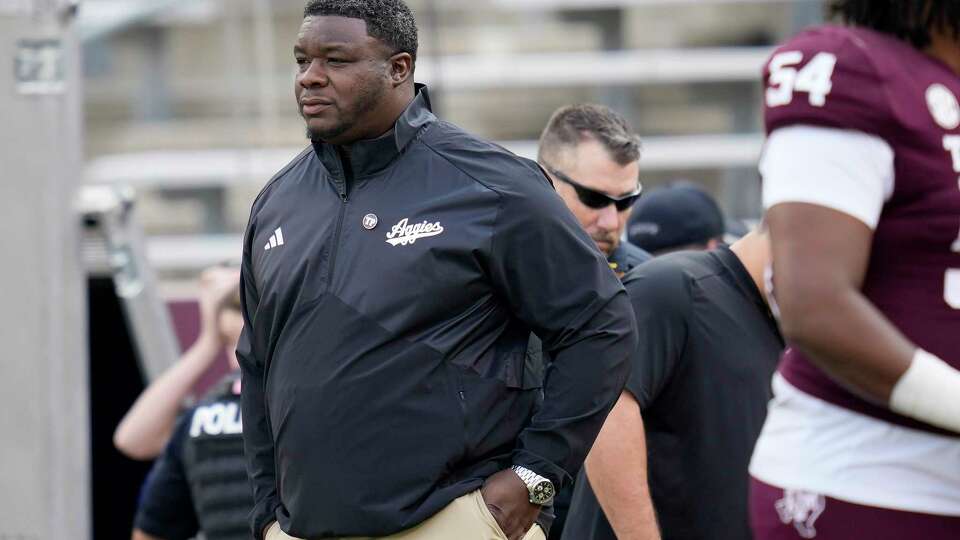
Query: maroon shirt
(881, 85)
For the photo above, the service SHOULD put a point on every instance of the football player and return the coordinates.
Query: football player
(861, 188)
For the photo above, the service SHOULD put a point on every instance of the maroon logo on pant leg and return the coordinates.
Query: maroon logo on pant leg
(801, 508)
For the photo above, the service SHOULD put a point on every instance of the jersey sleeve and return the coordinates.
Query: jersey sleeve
(826, 77)
(166, 506)
(844, 170)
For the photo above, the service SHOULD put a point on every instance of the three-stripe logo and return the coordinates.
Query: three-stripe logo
(276, 240)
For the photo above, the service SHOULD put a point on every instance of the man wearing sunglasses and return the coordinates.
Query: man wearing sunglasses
(593, 158)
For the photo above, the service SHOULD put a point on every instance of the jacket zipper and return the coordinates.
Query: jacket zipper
(335, 248)
(336, 240)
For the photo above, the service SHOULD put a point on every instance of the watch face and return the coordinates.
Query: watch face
(542, 492)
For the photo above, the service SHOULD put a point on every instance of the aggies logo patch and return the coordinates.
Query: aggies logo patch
(404, 234)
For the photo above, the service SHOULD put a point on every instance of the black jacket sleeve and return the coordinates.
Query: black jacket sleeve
(166, 506)
(554, 279)
(660, 294)
(257, 438)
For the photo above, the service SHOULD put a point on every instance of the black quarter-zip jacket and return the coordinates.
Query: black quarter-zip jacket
(389, 293)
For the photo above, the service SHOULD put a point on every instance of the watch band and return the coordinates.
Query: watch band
(529, 477)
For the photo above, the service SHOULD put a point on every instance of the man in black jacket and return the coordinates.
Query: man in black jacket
(392, 274)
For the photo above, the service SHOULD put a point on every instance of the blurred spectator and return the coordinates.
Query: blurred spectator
(593, 158)
(200, 481)
(147, 427)
(694, 403)
(680, 216)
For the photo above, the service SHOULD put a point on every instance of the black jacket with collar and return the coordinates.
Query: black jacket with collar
(388, 301)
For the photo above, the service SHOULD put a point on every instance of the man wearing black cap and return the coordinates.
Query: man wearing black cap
(680, 216)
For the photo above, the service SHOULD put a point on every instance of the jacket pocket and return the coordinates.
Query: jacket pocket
(523, 367)
(484, 513)
(534, 364)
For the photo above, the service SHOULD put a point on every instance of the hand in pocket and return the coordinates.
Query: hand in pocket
(508, 500)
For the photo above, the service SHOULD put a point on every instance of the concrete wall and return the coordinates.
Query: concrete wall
(44, 477)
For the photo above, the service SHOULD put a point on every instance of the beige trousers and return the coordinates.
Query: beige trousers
(466, 518)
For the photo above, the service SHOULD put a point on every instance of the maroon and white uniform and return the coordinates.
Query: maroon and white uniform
(863, 123)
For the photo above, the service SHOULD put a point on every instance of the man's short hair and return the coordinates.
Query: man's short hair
(573, 124)
(390, 21)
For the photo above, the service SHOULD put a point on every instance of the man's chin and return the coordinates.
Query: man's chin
(606, 247)
(328, 134)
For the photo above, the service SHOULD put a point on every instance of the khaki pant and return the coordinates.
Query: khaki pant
(466, 518)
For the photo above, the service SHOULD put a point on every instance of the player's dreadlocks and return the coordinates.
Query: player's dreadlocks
(910, 20)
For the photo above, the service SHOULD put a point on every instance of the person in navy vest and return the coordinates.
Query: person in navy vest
(144, 431)
(199, 483)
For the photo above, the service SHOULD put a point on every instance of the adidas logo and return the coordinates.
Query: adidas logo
(276, 240)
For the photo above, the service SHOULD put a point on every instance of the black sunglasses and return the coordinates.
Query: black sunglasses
(595, 199)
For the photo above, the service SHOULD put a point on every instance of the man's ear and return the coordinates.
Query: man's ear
(401, 68)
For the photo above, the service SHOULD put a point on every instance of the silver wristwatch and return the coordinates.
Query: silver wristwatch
(541, 489)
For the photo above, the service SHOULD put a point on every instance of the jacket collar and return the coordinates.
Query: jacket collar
(370, 156)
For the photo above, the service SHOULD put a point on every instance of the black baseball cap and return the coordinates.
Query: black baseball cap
(673, 216)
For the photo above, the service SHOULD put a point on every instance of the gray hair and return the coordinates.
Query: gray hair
(572, 124)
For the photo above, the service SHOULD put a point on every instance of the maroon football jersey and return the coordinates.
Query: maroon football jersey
(859, 79)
